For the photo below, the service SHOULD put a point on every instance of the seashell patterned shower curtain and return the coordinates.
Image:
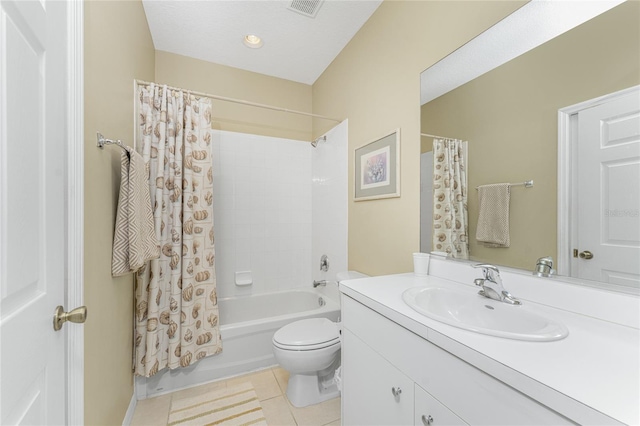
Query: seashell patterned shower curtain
(450, 217)
(176, 303)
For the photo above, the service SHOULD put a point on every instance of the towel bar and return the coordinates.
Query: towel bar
(527, 184)
(102, 141)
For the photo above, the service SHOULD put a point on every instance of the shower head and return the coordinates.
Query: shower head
(314, 142)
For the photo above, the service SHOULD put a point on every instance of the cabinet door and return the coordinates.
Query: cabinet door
(373, 391)
(430, 412)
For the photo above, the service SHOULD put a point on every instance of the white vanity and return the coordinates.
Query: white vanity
(403, 368)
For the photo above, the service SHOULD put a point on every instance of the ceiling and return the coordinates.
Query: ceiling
(296, 47)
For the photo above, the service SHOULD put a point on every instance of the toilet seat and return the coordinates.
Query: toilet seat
(306, 335)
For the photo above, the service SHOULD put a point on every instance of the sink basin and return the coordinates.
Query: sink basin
(470, 311)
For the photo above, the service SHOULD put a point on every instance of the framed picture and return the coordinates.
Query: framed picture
(377, 168)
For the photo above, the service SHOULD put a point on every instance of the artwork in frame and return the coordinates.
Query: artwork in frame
(377, 168)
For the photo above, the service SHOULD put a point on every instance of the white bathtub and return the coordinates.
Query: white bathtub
(247, 325)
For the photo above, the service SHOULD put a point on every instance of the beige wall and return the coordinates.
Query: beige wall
(509, 117)
(207, 77)
(375, 83)
(118, 48)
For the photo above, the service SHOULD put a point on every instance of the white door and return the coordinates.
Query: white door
(607, 241)
(33, 138)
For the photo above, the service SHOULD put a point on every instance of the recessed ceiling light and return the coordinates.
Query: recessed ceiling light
(252, 41)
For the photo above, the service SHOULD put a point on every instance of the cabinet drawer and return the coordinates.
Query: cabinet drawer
(430, 412)
(475, 396)
(374, 392)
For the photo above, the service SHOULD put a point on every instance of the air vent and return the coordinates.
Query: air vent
(306, 7)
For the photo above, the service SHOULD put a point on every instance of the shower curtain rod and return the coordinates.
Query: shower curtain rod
(240, 101)
(436, 136)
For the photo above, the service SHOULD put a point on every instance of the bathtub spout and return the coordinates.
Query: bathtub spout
(318, 283)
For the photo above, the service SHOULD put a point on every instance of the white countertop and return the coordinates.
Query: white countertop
(590, 376)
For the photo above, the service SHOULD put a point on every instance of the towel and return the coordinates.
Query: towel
(134, 239)
(493, 219)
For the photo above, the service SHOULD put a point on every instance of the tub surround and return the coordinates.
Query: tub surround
(329, 201)
(262, 208)
(590, 377)
(279, 204)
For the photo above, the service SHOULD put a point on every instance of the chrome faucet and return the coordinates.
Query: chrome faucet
(544, 267)
(318, 283)
(492, 285)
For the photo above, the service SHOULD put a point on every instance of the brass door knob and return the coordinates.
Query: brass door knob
(78, 315)
(586, 255)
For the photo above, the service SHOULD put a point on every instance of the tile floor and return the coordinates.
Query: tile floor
(270, 386)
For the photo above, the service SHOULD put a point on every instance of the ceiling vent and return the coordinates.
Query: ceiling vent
(306, 7)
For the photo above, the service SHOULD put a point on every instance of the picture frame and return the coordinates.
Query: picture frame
(377, 168)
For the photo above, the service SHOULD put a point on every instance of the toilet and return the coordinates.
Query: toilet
(309, 350)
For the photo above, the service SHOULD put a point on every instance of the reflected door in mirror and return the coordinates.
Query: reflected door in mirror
(608, 188)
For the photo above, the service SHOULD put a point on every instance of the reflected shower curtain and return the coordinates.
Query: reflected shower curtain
(176, 303)
(450, 218)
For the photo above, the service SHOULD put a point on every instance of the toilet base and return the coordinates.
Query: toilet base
(309, 389)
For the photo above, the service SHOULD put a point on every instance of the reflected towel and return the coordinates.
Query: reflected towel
(134, 239)
(493, 219)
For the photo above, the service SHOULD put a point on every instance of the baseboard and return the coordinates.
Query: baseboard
(130, 410)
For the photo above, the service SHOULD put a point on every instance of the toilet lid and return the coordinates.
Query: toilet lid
(312, 333)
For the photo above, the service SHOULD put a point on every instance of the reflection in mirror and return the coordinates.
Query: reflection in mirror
(510, 114)
(450, 216)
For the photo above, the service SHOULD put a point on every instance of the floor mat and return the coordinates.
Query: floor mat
(236, 405)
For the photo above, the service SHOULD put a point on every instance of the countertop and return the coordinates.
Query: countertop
(592, 376)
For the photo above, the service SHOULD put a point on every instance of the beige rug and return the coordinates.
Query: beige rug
(236, 405)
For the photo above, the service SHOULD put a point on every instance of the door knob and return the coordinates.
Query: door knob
(427, 420)
(586, 255)
(78, 315)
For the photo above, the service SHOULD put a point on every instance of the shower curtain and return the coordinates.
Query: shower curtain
(176, 304)
(450, 218)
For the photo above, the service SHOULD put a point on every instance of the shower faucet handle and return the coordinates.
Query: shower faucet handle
(324, 263)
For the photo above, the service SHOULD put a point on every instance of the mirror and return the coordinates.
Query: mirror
(509, 116)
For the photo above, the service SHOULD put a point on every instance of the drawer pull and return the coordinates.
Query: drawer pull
(396, 392)
(427, 420)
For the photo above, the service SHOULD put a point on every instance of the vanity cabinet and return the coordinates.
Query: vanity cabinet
(387, 397)
(382, 396)
(379, 356)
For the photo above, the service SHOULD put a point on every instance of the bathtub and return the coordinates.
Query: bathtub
(247, 325)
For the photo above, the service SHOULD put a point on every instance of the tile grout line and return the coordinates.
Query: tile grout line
(172, 394)
(284, 395)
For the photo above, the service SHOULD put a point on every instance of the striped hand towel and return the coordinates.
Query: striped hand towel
(134, 239)
(493, 218)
